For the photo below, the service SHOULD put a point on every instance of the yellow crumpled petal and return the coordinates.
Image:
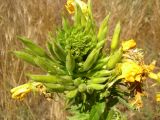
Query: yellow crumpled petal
(126, 45)
(70, 6)
(137, 101)
(153, 76)
(158, 97)
(21, 91)
(131, 71)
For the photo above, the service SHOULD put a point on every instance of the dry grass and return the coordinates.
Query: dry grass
(35, 18)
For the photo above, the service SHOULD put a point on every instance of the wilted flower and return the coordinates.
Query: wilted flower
(137, 100)
(158, 97)
(131, 71)
(71, 6)
(21, 91)
(126, 45)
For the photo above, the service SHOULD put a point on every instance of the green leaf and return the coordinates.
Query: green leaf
(115, 114)
(110, 115)
(76, 114)
(96, 111)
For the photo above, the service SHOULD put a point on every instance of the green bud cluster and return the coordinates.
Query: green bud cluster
(75, 64)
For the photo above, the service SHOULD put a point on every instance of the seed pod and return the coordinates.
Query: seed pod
(66, 77)
(96, 86)
(33, 47)
(103, 34)
(98, 66)
(70, 63)
(54, 86)
(103, 73)
(25, 56)
(48, 65)
(67, 87)
(50, 49)
(91, 59)
(115, 38)
(99, 80)
(59, 52)
(103, 28)
(82, 87)
(101, 63)
(114, 59)
(46, 79)
(100, 44)
(72, 94)
(65, 24)
(89, 4)
(78, 13)
(104, 60)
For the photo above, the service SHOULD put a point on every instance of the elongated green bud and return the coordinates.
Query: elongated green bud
(98, 80)
(91, 59)
(78, 14)
(100, 44)
(72, 94)
(59, 87)
(50, 49)
(103, 73)
(66, 77)
(96, 86)
(65, 24)
(59, 52)
(114, 59)
(104, 60)
(83, 20)
(69, 87)
(49, 79)
(115, 38)
(98, 66)
(70, 63)
(54, 86)
(32, 46)
(25, 56)
(48, 65)
(101, 63)
(103, 29)
(89, 4)
(82, 87)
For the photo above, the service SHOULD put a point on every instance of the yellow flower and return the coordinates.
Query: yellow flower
(153, 76)
(131, 71)
(126, 45)
(21, 91)
(137, 101)
(158, 97)
(71, 6)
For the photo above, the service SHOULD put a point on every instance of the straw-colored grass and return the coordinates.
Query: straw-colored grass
(35, 18)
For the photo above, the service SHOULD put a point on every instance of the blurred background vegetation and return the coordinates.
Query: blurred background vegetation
(35, 18)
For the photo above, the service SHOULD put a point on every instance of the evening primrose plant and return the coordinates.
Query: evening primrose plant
(91, 81)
